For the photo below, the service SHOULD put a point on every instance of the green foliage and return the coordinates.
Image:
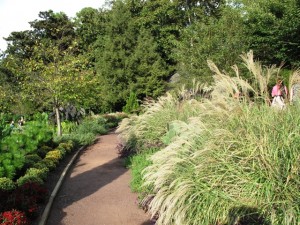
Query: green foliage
(35, 172)
(7, 184)
(137, 163)
(221, 40)
(271, 29)
(91, 126)
(31, 159)
(228, 160)
(42, 151)
(68, 126)
(67, 146)
(49, 163)
(132, 104)
(174, 130)
(30, 178)
(23, 141)
(54, 155)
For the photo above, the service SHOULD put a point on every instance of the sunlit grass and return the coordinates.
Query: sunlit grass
(232, 160)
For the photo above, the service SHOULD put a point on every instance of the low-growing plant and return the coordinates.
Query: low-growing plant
(56, 155)
(42, 151)
(29, 178)
(67, 146)
(91, 126)
(13, 217)
(137, 163)
(40, 165)
(30, 160)
(49, 163)
(41, 173)
(7, 184)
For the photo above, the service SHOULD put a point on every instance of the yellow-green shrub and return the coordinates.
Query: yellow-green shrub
(7, 184)
(49, 163)
(54, 154)
(29, 179)
(42, 173)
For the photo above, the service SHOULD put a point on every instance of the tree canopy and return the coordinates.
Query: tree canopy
(97, 59)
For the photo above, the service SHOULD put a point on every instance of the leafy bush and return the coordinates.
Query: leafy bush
(91, 126)
(49, 163)
(132, 104)
(21, 142)
(41, 173)
(7, 184)
(42, 151)
(24, 198)
(54, 154)
(67, 146)
(37, 192)
(29, 178)
(31, 159)
(62, 151)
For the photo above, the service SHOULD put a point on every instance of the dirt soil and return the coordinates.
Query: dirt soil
(96, 190)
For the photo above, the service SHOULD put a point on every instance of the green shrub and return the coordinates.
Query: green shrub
(29, 179)
(41, 173)
(62, 151)
(54, 154)
(68, 126)
(51, 164)
(2, 171)
(42, 151)
(91, 126)
(132, 104)
(31, 160)
(67, 146)
(85, 139)
(7, 184)
(40, 165)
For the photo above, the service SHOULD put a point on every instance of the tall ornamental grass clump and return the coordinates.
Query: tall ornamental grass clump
(236, 162)
(139, 133)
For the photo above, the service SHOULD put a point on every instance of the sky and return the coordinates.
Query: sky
(15, 15)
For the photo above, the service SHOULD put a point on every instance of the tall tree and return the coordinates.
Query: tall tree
(111, 51)
(56, 78)
(273, 28)
(219, 38)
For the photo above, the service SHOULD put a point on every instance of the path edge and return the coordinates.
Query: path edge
(48, 207)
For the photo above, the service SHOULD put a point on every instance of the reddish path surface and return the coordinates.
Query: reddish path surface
(96, 190)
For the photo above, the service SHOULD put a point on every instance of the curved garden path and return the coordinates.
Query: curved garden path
(96, 190)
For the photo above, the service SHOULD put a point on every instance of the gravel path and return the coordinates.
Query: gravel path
(96, 190)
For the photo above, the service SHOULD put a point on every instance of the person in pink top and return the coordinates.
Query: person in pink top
(279, 93)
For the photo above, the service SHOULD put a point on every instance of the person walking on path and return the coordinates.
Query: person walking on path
(279, 94)
(96, 191)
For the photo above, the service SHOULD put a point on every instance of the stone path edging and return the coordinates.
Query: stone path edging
(47, 209)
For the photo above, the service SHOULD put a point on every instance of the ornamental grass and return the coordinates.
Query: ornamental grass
(233, 160)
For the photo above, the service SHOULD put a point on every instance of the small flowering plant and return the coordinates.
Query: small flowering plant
(13, 217)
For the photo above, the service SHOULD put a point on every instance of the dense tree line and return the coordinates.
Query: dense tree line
(97, 59)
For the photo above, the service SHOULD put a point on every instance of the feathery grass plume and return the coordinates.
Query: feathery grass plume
(232, 162)
(294, 78)
(219, 175)
(149, 127)
(261, 77)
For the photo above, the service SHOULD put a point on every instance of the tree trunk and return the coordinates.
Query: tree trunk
(58, 122)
